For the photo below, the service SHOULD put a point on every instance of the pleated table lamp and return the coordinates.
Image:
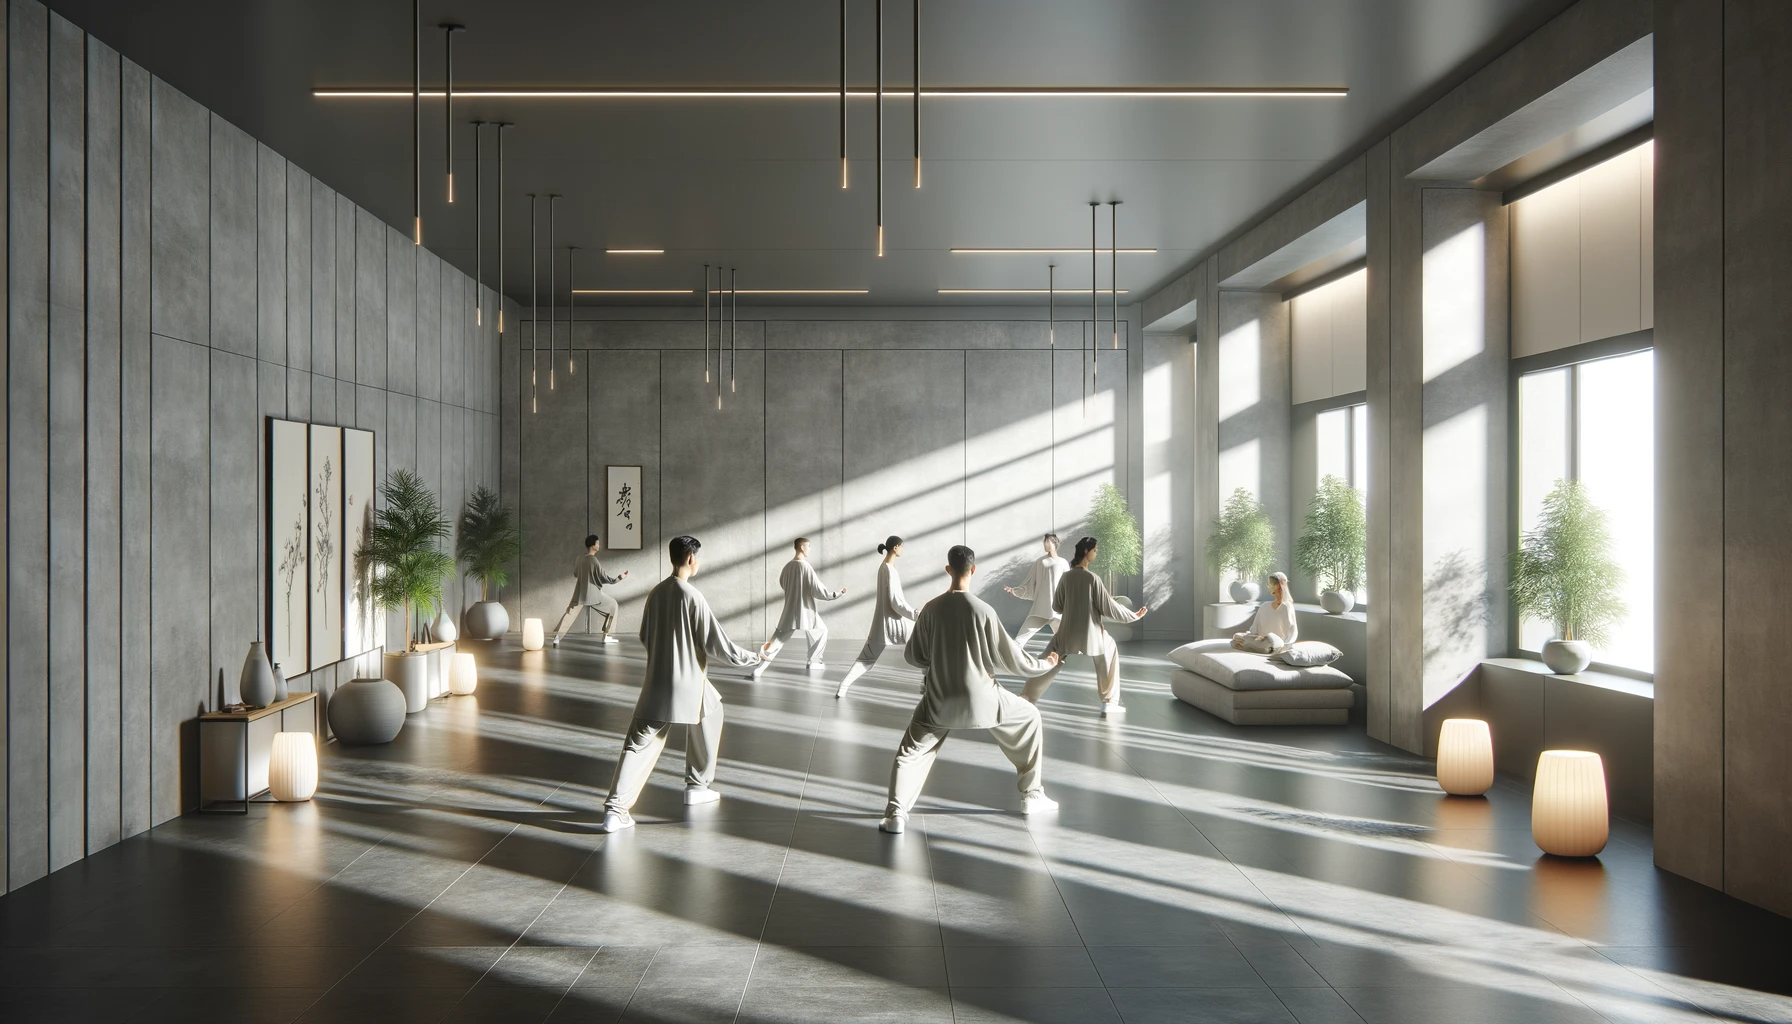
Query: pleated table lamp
(1568, 809)
(292, 767)
(463, 677)
(1465, 757)
(532, 635)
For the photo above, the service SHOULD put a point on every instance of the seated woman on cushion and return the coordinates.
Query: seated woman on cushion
(1274, 627)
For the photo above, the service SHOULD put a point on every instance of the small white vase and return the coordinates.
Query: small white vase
(1337, 602)
(443, 629)
(1566, 657)
(281, 692)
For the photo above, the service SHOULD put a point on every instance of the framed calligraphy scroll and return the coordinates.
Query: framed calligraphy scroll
(622, 497)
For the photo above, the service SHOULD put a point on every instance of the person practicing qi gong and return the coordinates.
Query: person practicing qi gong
(1083, 601)
(1041, 587)
(1274, 626)
(588, 583)
(802, 588)
(957, 643)
(681, 634)
(891, 620)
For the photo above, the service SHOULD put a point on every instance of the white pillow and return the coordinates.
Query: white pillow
(1308, 654)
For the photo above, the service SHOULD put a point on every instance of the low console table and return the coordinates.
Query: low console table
(234, 747)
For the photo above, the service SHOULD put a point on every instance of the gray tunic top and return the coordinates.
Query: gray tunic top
(1041, 586)
(894, 617)
(588, 578)
(802, 588)
(1084, 601)
(958, 643)
(680, 634)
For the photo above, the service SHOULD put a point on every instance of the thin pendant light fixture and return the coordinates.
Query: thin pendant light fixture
(880, 128)
(500, 289)
(478, 227)
(570, 371)
(448, 30)
(534, 304)
(417, 122)
(917, 93)
(706, 294)
(734, 329)
(721, 325)
(1051, 305)
(1094, 309)
(842, 94)
(553, 283)
(1114, 266)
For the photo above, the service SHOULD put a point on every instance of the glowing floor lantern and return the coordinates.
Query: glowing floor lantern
(1465, 757)
(292, 767)
(463, 676)
(1568, 810)
(532, 635)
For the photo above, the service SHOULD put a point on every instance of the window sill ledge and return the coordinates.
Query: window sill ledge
(1603, 680)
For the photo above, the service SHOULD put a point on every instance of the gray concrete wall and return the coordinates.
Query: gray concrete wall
(172, 284)
(1254, 410)
(845, 431)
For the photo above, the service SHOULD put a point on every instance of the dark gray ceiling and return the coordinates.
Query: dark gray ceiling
(754, 183)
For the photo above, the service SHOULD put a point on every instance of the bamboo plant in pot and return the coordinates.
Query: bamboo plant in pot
(1243, 541)
(1333, 548)
(1564, 574)
(1119, 549)
(409, 566)
(489, 541)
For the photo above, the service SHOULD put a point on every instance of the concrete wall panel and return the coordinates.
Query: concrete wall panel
(270, 256)
(401, 314)
(183, 678)
(235, 512)
(1008, 485)
(233, 239)
(370, 281)
(297, 215)
(180, 212)
(325, 278)
(803, 430)
(134, 451)
(553, 509)
(427, 327)
(624, 430)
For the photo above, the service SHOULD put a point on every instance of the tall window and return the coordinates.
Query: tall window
(1595, 422)
(1343, 443)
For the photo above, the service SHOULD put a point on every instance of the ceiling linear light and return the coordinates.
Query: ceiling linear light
(917, 92)
(500, 289)
(1000, 291)
(706, 294)
(553, 283)
(1114, 266)
(1025, 251)
(833, 92)
(534, 304)
(637, 291)
(569, 294)
(417, 122)
(842, 93)
(719, 290)
(478, 227)
(635, 252)
(879, 36)
(448, 30)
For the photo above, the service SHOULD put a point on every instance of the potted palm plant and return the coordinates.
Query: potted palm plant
(1564, 574)
(1244, 541)
(1119, 548)
(1332, 550)
(404, 552)
(489, 541)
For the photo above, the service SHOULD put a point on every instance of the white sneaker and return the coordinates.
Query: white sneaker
(841, 692)
(617, 821)
(608, 639)
(1112, 707)
(694, 795)
(1038, 803)
(554, 642)
(894, 824)
(758, 670)
(818, 666)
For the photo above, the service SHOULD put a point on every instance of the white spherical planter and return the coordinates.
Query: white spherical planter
(486, 620)
(1245, 592)
(410, 673)
(1568, 806)
(463, 678)
(1465, 757)
(366, 711)
(1566, 657)
(292, 767)
(1337, 602)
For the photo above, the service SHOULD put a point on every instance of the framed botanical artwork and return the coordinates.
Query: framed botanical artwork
(622, 498)
(289, 546)
(362, 625)
(325, 487)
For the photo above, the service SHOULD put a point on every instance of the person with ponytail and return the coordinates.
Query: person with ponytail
(891, 620)
(1083, 601)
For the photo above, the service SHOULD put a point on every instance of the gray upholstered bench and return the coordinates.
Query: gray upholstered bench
(1252, 689)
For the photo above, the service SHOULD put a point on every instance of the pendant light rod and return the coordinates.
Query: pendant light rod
(706, 323)
(553, 283)
(880, 128)
(417, 122)
(842, 93)
(1114, 266)
(1051, 305)
(500, 289)
(534, 302)
(721, 326)
(569, 301)
(478, 227)
(448, 30)
(734, 330)
(917, 93)
(1094, 308)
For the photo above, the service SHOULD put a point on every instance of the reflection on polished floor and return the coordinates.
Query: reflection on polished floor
(1197, 872)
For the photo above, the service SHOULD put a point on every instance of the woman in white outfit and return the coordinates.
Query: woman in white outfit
(1274, 626)
(1083, 601)
(891, 621)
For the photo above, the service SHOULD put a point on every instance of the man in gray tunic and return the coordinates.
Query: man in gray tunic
(802, 588)
(958, 642)
(1039, 587)
(680, 634)
(588, 583)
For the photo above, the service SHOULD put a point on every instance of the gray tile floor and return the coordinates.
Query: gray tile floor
(1197, 872)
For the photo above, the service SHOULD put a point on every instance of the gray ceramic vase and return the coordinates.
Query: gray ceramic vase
(1245, 592)
(281, 692)
(255, 687)
(486, 620)
(1566, 657)
(1337, 602)
(365, 711)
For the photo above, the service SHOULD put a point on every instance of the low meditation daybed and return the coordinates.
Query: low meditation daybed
(1254, 689)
